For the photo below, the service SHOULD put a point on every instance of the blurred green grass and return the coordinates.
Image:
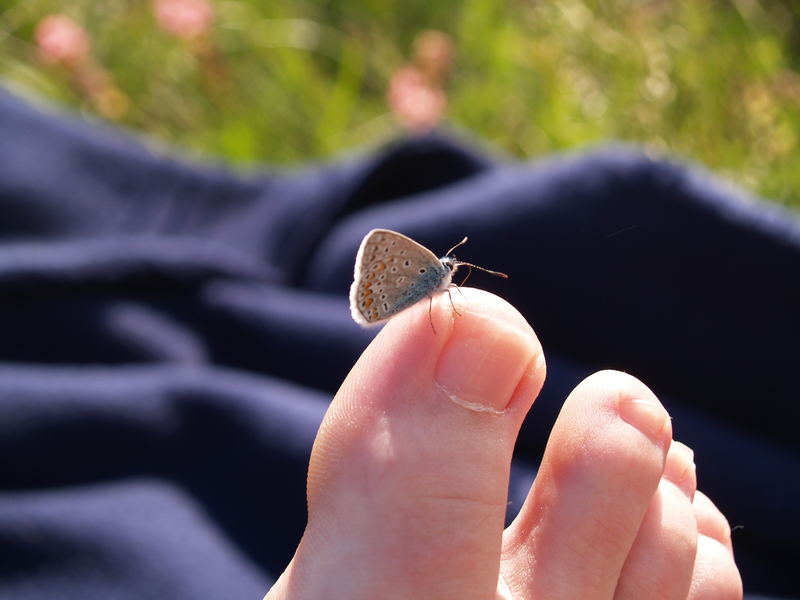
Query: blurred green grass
(285, 82)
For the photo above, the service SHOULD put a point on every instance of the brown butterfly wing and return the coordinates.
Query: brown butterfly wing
(392, 272)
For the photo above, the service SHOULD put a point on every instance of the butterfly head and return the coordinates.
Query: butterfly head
(450, 263)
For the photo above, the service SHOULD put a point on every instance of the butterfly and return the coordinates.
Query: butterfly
(393, 272)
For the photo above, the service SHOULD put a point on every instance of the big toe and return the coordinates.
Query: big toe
(408, 478)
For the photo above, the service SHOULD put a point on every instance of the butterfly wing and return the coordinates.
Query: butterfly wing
(392, 272)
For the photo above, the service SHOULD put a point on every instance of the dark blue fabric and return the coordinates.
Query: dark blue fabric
(171, 334)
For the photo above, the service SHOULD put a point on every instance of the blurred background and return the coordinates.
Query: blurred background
(257, 84)
(284, 82)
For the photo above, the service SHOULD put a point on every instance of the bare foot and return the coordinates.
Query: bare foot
(408, 481)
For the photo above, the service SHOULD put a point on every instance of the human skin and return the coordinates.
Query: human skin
(408, 478)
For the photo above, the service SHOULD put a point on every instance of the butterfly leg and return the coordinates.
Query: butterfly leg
(449, 295)
(430, 316)
(467, 276)
(457, 288)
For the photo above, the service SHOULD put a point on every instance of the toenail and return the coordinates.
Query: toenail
(680, 466)
(483, 361)
(647, 415)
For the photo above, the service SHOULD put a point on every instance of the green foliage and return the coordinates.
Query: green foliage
(283, 82)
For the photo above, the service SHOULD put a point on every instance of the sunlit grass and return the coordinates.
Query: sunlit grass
(284, 82)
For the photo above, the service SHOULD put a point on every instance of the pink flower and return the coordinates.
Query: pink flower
(186, 19)
(61, 40)
(433, 54)
(414, 102)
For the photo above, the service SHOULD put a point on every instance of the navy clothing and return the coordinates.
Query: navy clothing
(171, 334)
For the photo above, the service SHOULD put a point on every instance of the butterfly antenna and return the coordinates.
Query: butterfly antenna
(466, 264)
(461, 243)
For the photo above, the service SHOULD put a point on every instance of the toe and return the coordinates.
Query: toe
(659, 565)
(600, 470)
(715, 576)
(711, 522)
(408, 478)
